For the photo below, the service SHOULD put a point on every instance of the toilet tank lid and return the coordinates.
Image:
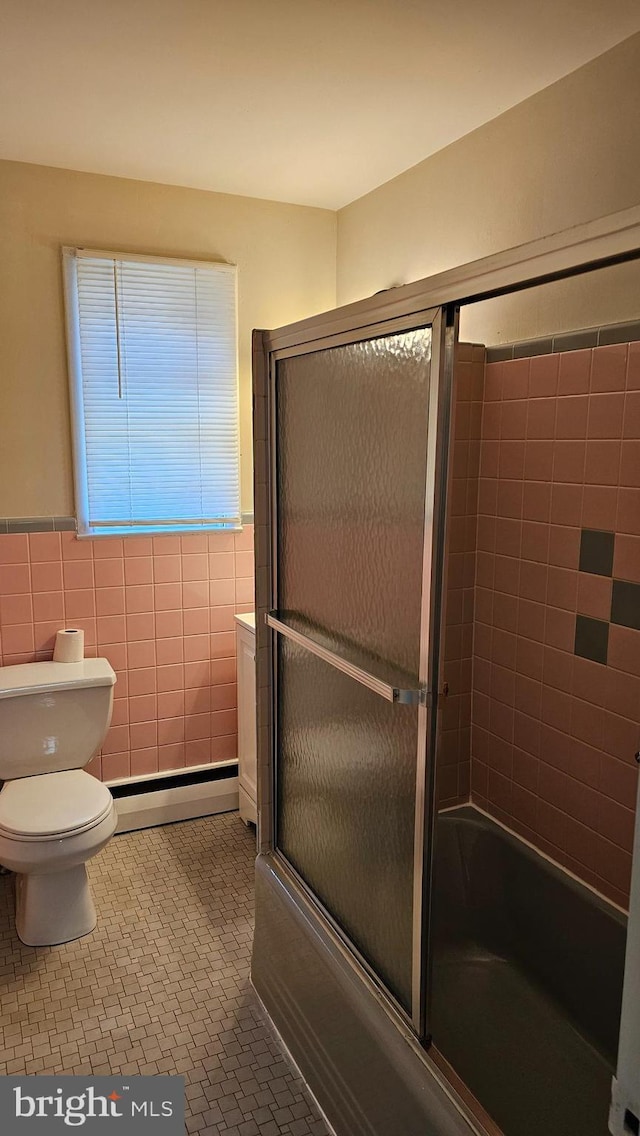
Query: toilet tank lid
(30, 678)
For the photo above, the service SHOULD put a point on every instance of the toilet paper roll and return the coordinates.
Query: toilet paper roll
(69, 646)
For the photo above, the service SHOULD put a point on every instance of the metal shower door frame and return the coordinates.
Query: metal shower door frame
(608, 240)
(443, 325)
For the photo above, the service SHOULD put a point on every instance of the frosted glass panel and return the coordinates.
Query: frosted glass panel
(352, 433)
(346, 793)
(351, 454)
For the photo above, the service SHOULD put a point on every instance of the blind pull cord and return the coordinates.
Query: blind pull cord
(118, 346)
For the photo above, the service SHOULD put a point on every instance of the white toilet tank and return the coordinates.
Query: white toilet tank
(53, 716)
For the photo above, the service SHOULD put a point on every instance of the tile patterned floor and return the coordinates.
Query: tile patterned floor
(161, 986)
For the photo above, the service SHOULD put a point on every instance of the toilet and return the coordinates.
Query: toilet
(53, 816)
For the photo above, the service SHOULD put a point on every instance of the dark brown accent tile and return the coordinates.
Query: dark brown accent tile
(498, 354)
(29, 524)
(531, 347)
(619, 333)
(625, 604)
(592, 638)
(576, 340)
(37, 524)
(596, 552)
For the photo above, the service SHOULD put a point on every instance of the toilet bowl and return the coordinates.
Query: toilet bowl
(53, 816)
(49, 827)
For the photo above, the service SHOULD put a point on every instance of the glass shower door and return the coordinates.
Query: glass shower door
(354, 446)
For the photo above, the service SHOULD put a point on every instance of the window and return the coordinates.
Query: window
(154, 392)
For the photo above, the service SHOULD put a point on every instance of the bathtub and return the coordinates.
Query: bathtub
(527, 969)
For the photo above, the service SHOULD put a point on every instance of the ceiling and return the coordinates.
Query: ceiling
(307, 101)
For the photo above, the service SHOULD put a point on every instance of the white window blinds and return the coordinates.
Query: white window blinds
(154, 384)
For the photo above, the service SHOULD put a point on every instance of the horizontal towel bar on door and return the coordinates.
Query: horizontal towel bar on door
(411, 696)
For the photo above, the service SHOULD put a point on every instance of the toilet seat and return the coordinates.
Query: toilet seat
(53, 805)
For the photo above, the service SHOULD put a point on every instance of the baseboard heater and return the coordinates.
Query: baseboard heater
(176, 795)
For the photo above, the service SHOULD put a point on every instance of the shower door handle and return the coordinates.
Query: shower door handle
(407, 696)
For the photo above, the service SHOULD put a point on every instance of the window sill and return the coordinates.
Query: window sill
(144, 530)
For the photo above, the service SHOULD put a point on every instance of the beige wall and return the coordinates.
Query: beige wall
(565, 156)
(286, 271)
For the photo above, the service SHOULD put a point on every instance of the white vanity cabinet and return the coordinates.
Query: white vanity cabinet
(247, 761)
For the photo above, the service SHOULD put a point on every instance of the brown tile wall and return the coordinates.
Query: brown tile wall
(554, 735)
(455, 733)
